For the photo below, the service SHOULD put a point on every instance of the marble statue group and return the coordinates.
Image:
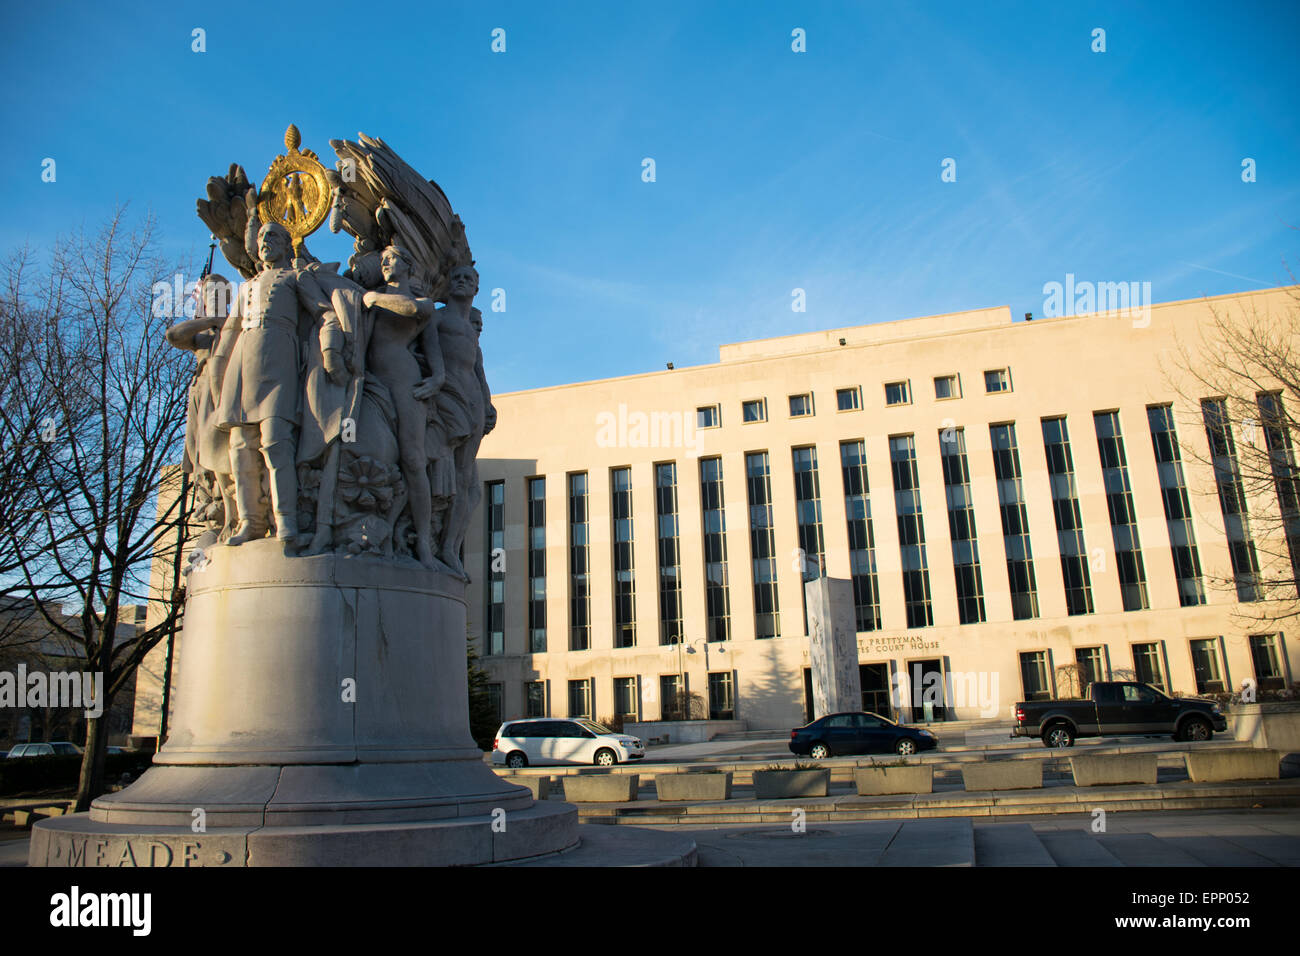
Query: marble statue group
(339, 412)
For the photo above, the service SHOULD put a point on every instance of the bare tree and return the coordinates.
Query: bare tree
(93, 410)
(1243, 380)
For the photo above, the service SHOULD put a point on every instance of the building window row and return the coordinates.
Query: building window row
(579, 565)
(849, 399)
(495, 572)
(961, 526)
(1232, 500)
(911, 531)
(1069, 520)
(670, 562)
(1074, 556)
(1123, 515)
(537, 565)
(762, 542)
(717, 595)
(1015, 522)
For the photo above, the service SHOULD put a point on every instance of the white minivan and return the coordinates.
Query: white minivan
(557, 740)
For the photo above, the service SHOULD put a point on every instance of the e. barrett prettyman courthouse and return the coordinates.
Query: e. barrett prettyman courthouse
(1017, 505)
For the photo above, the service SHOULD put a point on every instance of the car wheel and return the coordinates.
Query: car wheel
(516, 759)
(1196, 729)
(819, 751)
(906, 746)
(1058, 735)
(606, 757)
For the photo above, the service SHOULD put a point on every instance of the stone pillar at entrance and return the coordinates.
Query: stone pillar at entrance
(833, 646)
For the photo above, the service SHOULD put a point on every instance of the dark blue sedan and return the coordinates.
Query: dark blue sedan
(838, 735)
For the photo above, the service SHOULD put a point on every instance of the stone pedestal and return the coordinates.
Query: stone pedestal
(321, 719)
(833, 646)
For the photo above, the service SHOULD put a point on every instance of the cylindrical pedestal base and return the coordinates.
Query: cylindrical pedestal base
(322, 699)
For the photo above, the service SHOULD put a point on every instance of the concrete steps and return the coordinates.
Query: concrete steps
(848, 807)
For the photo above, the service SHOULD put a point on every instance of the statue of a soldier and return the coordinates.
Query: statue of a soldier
(260, 364)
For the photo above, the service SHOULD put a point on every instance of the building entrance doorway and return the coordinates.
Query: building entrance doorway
(928, 699)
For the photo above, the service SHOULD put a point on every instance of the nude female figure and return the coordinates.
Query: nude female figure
(399, 317)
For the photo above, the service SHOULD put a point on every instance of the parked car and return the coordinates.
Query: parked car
(1118, 708)
(548, 740)
(59, 747)
(838, 735)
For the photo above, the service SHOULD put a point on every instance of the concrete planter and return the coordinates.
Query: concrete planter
(693, 786)
(788, 784)
(1272, 724)
(1003, 775)
(872, 781)
(601, 788)
(540, 787)
(1108, 769)
(1212, 766)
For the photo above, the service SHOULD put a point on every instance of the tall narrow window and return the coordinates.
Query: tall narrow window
(722, 696)
(1015, 522)
(862, 536)
(1146, 665)
(624, 569)
(717, 597)
(581, 698)
(762, 541)
(579, 566)
(494, 619)
(808, 518)
(1205, 666)
(961, 526)
(911, 531)
(1069, 522)
(670, 570)
(672, 700)
(535, 698)
(1232, 500)
(627, 703)
(1088, 662)
(537, 565)
(1267, 662)
(1277, 438)
(1033, 675)
(1123, 516)
(1178, 509)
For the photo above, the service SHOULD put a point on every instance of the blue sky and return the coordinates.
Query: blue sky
(775, 170)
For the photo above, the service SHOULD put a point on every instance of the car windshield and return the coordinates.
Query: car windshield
(594, 727)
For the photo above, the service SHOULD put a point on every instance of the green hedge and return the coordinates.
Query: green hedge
(61, 771)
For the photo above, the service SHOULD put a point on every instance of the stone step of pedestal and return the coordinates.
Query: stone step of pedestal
(1010, 844)
(77, 840)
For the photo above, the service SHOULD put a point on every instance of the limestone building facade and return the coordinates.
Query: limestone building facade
(1021, 506)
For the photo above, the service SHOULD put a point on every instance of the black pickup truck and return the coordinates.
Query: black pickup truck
(1114, 708)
